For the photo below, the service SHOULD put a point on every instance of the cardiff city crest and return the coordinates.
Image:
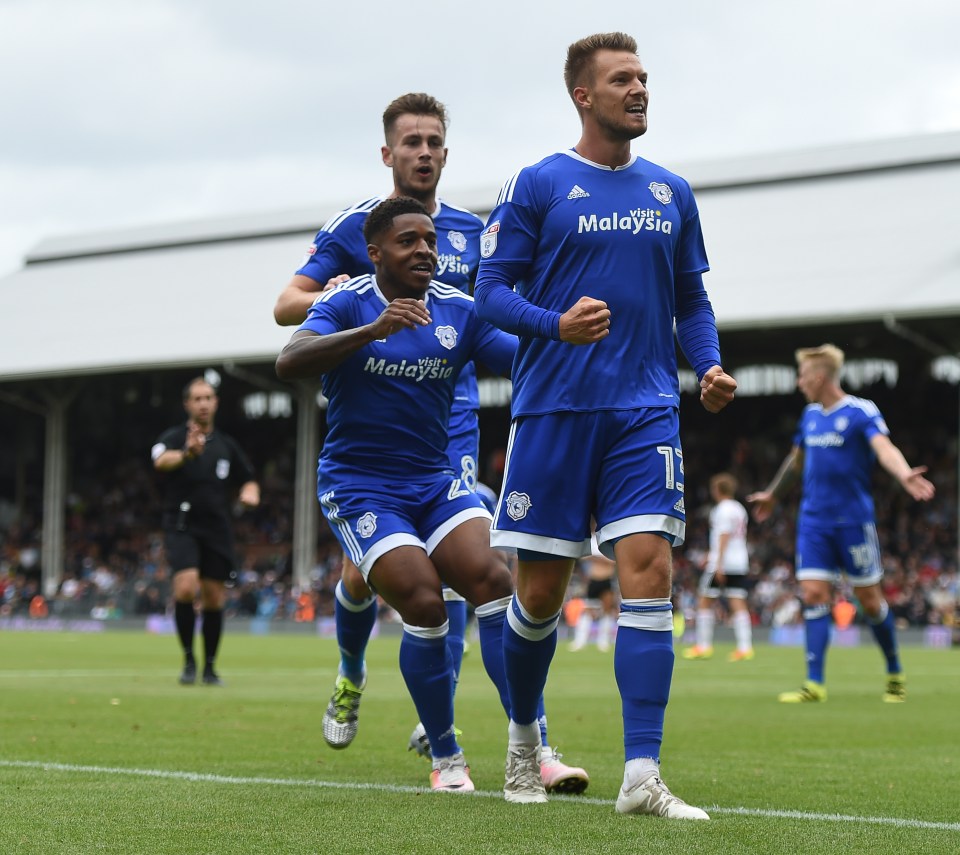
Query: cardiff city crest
(457, 240)
(517, 505)
(367, 524)
(663, 193)
(447, 336)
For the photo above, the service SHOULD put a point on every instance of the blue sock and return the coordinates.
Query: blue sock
(491, 618)
(817, 623)
(355, 621)
(428, 672)
(643, 664)
(457, 620)
(528, 648)
(886, 634)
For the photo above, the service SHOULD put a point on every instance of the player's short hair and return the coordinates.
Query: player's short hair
(382, 217)
(414, 103)
(829, 355)
(725, 484)
(188, 389)
(579, 67)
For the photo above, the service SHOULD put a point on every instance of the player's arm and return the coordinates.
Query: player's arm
(508, 245)
(295, 300)
(310, 354)
(495, 349)
(911, 478)
(498, 304)
(320, 270)
(700, 342)
(586, 322)
(788, 475)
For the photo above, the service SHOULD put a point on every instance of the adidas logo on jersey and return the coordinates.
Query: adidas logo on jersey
(679, 506)
(578, 193)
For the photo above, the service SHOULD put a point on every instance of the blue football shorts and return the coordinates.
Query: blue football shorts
(827, 553)
(369, 518)
(463, 451)
(463, 448)
(623, 468)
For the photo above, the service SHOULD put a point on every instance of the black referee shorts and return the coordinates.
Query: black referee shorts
(211, 556)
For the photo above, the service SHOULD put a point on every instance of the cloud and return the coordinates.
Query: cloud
(118, 112)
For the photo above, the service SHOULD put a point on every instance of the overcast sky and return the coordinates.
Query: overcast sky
(119, 113)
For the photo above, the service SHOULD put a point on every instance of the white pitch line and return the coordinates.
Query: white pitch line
(150, 673)
(205, 778)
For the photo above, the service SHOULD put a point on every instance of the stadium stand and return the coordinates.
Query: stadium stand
(807, 246)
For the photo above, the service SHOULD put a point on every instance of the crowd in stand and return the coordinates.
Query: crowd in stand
(115, 567)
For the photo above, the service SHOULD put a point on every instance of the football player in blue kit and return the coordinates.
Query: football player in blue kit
(590, 257)
(838, 439)
(415, 150)
(393, 344)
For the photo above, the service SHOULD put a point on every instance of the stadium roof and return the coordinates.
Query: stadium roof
(819, 237)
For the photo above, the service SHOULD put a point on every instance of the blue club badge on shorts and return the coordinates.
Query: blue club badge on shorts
(223, 468)
(367, 524)
(517, 505)
(663, 193)
(447, 336)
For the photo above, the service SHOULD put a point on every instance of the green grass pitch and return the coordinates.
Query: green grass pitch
(102, 751)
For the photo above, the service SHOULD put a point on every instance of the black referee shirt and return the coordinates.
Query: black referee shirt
(204, 483)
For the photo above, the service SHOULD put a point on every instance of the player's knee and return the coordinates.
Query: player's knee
(542, 597)
(422, 607)
(480, 576)
(354, 584)
(815, 592)
(491, 590)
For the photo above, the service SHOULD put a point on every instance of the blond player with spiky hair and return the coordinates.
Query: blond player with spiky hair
(838, 439)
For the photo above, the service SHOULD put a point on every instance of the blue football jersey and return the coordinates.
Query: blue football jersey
(567, 228)
(340, 247)
(390, 400)
(838, 461)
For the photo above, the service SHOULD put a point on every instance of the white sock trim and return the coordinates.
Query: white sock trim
(348, 603)
(493, 607)
(427, 631)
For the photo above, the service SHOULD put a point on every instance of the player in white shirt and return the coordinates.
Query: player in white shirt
(725, 573)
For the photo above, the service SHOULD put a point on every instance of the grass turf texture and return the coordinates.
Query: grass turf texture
(102, 751)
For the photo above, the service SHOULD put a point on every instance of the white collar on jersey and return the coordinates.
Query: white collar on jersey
(434, 213)
(830, 410)
(576, 156)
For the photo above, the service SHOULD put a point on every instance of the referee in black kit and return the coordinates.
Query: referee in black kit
(198, 533)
